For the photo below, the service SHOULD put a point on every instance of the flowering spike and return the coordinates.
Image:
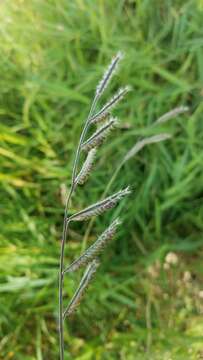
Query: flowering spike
(108, 74)
(100, 135)
(109, 105)
(84, 283)
(171, 114)
(146, 141)
(100, 207)
(94, 249)
(86, 168)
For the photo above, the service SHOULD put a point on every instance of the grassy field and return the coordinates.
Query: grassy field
(52, 55)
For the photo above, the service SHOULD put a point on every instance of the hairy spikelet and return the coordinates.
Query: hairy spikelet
(108, 74)
(109, 105)
(100, 135)
(171, 114)
(84, 283)
(94, 249)
(140, 144)
(100, 207)
(100, 117)
(86, 168)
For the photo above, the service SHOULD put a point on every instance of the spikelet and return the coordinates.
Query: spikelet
(140, 144)
(84, 283)
(109, 105)
(100, 135)
(108, 74)
(99, 117)
(94, 249)
(100, 207)
(171, 114)
(86, 168)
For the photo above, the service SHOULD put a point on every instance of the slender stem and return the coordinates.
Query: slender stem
(65, 228)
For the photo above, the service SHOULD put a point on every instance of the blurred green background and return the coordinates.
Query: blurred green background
(146, 301)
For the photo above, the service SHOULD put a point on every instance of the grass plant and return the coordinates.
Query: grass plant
(52, 55)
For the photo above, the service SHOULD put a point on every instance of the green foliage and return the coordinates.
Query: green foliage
(52, 55)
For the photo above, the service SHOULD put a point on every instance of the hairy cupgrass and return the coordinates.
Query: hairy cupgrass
(89, 257)
(89, 145)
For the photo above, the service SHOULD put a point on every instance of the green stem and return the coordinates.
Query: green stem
(65, 228)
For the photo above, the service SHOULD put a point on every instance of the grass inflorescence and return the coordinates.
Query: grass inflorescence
(52, 55)
(90, 256)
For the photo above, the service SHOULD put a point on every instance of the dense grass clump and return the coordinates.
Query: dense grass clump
(147, 296)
